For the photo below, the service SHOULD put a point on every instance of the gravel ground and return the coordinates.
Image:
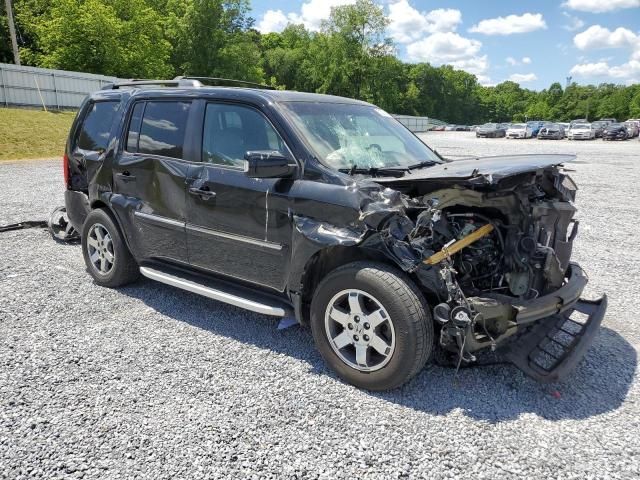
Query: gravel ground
(151, 382)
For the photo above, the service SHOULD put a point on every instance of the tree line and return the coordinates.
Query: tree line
(350, 56)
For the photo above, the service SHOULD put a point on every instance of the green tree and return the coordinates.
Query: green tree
(116, 37)
(213, 39)
(354, 37)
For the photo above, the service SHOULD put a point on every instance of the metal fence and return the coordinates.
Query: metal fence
(56, 89)
(418, 124)
(60, 89)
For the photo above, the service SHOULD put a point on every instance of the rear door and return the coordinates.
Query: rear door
(236, 225)
(149, 178)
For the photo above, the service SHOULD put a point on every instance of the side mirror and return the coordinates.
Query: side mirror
(267, 164)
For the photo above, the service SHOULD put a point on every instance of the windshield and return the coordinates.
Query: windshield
(489, 125)
(362, 136)
(581, 125)
(517, 126)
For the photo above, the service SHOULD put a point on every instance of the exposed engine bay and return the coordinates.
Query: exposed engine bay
(481, 250)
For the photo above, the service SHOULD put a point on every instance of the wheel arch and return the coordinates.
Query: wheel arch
(324, 261)
(101, 204)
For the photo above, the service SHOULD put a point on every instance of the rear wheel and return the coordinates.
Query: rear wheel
(371, 325)
(105, 253)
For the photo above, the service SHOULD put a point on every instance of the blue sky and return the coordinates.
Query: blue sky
(535, 42)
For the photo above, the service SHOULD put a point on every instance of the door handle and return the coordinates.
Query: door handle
(202, 193)
(126, 176)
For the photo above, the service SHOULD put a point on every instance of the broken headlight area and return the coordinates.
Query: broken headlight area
(484, 254)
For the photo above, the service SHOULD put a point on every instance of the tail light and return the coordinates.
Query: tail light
(65, 168)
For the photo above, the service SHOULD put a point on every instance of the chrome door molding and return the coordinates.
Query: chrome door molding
(233, 236)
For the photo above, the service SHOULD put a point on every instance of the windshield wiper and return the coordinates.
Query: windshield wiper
(373, 171)
(426, 163)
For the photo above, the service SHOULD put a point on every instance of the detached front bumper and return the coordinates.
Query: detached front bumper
(558, 330)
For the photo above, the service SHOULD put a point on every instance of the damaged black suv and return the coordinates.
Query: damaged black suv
(328, 210)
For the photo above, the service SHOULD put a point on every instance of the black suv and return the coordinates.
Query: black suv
(328, 210)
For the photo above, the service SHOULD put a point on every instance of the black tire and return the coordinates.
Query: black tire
(407, 310)
(124, 268)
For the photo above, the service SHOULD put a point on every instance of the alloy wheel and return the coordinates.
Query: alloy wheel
(359, 330)
(100, 249)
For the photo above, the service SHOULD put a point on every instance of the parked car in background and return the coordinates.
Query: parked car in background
(615, 131)
(565, 126)
(632, 128)
(552, 131)
(519, 130)
(581, 131)
(491, 130)
(599, 127)
(535, 127)
(449, 128)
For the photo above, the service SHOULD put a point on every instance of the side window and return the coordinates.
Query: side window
(134, 127)
(96, 126)
(163, 128)
(232, 130)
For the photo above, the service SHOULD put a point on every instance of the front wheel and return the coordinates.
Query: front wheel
(371, 325)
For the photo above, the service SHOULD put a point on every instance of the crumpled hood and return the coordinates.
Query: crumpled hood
(491, 169)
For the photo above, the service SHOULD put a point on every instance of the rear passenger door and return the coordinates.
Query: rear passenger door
(237, 225)
(149, 178)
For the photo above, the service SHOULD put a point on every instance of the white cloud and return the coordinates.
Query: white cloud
(449, 48)
(475, 65)
(510, 24)
(599, 69)
(626, 72)
(597, 37)
(599, 6)
(311, 15)
(523, 77)
(514, 62)
(442, 48)
(574, 23)
(485, 81)
(407, 24)
(273, 21)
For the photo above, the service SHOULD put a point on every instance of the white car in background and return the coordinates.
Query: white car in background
(581, 131)
(519, 130)
(633, 127)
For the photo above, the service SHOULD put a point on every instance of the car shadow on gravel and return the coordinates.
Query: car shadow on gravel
(494, 393)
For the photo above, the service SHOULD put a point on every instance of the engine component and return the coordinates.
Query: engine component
(455, 246)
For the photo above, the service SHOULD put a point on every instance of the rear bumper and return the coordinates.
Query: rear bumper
(78, 208)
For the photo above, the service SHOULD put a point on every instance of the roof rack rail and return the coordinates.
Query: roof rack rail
(177, 82)
(226, 82)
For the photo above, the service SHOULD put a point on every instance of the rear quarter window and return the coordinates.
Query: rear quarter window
(95, 130)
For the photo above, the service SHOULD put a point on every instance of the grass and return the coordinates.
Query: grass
(28, 134)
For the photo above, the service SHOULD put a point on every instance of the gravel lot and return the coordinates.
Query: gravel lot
(152, 382)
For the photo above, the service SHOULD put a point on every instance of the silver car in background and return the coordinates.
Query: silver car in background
(581, 131)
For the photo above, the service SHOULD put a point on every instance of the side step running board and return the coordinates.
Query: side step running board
(218, 294)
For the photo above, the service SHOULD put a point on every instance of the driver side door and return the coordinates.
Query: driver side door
(236, 225)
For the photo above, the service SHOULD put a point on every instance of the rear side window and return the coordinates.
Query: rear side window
(96, 127)
(162, 130)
